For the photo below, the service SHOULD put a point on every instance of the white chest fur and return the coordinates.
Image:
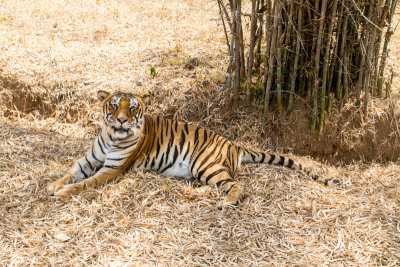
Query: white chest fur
(179, 169)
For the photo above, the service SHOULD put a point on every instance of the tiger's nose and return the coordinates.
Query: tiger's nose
(122, 119)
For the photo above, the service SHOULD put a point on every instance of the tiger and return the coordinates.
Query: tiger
(131, 140)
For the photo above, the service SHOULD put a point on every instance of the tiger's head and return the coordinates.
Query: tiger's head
(123, 114)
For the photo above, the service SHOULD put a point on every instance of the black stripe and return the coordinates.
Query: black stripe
(219, 183)
(271, 159)
(162, 132)
(84, 174)
(160, 163)
(170, 144)
(167, 167)
(109, 136)
(147, 162)
(290, 163)
(227, 191)
(214, 174)
(102, 140)
(167, 153)
(172, 137)
(116, 159)
(111, 166)
(175, 155)
(262, 158)
(101, 148)
(123, 147)
(95, 156)
(187, 151)
(152, 144)
(205, 137)
(196, 135)
(153, 162)
(182, 141)
(176, 126)
(186, 128)
(281, 161)
(90, 165)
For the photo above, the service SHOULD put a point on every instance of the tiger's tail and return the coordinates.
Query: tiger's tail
(278, 160)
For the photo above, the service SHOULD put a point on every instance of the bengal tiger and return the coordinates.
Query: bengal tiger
(130, 140)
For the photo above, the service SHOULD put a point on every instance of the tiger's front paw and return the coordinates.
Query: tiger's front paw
(57, 185)
(53, 187)
(69, 189)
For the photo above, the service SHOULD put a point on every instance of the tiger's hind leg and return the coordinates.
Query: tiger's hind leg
(233, 189)
(223, 180)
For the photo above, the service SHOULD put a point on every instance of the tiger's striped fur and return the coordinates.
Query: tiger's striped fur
(131, 140)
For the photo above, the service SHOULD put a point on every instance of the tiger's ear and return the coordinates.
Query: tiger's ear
(101, 95)
(145, 98)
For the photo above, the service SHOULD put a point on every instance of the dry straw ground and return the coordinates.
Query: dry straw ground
(54, 55)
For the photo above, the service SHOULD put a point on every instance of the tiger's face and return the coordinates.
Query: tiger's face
(122, 114)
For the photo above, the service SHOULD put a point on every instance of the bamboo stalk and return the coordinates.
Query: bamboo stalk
(231, 51)
(316, 70)
(342, 56)
(325, 68)
(279, 71)
(241, 41)
(388, 35)
(346, 77)
(250, 59)
(362, 69)
(314, 24)
(223, 24)
(335, 56)
(369, 65)
(296, 58)
(374, 59)
(236, 85)
(270, 63)
(259, 36)
(287, 36)
(221, 3)
(385, 11)
(268, 24)
(268, 41)
(350, 53)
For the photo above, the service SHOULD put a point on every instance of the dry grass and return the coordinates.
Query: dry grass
(65, 51)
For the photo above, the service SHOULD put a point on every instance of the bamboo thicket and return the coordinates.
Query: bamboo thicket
(325, 51)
